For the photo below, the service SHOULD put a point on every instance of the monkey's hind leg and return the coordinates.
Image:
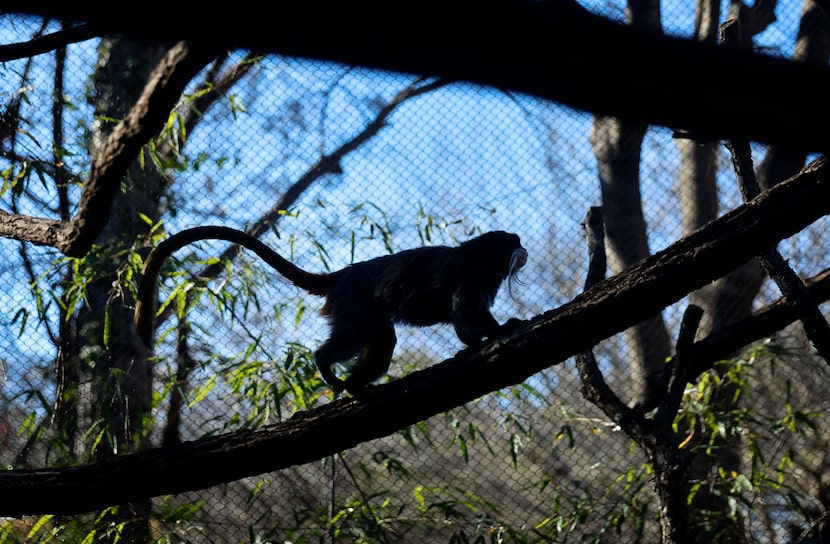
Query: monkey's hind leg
(335, 349)
(374, 357)
(352, 333)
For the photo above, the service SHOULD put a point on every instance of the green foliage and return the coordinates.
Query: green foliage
(429, 225)
(268, 389)
(379, 225)
(14, 180)
(722, 408)
(465, 432)
(454, 504)
(84, 529)
(579, 515)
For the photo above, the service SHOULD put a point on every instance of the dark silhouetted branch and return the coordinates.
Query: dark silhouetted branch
(524, 45)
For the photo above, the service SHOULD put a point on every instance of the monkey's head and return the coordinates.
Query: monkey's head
(500, 253)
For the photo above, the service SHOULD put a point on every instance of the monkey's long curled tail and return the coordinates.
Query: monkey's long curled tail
(145, 308)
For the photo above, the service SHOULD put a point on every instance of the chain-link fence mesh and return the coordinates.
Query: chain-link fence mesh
(331, 165)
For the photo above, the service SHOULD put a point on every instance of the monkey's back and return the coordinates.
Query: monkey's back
(414, 286)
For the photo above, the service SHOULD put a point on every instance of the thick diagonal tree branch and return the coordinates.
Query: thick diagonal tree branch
(144, 120)
(523, 45)
(609, 307)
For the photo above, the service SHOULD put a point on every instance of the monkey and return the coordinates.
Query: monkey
(421, 286)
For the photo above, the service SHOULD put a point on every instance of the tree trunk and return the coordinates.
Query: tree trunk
(617, 145)
(731, 298)
(121, 377)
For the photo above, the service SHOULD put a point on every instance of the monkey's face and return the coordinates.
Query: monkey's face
(517, 260)
(497, 253)
(509, 250)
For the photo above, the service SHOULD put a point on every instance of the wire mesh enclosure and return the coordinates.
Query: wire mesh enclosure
(331, 165)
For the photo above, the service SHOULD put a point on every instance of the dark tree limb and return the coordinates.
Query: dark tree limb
(594, 387)
(655, 435)
(595, 238)
(792, 287)
(49, 42)
(508, 45)
(144, 120)
(163, 90)
(678, 366)
(669, 461)
(726, 341)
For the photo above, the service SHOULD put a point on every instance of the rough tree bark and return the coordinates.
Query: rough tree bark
(120, 373)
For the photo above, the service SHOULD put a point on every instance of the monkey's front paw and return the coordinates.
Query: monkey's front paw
(357, 389)
(512, 325)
